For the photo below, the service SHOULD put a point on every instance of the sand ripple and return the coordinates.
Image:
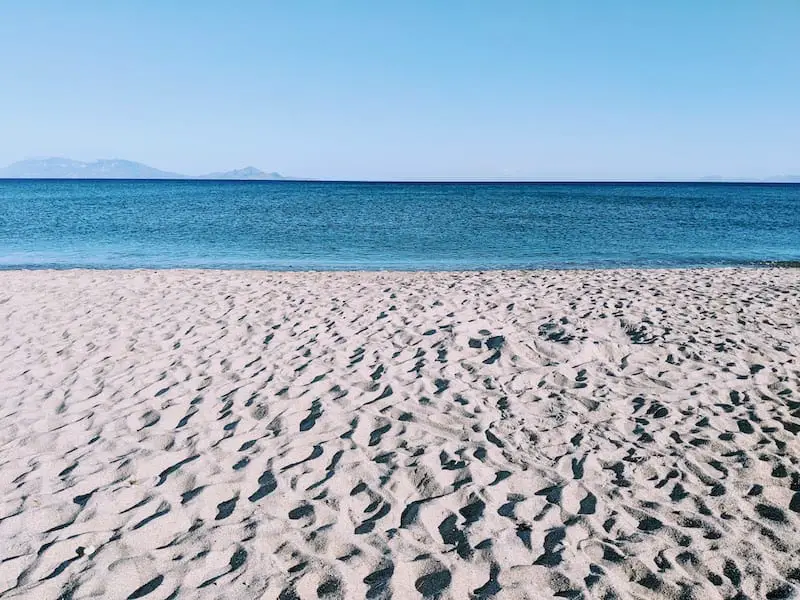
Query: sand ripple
(468, 435)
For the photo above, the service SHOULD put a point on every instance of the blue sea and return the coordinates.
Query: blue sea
(440, 226)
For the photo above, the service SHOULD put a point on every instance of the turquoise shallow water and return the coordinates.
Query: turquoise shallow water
(315, 225)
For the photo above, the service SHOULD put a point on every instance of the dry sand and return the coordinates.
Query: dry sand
(190, 434)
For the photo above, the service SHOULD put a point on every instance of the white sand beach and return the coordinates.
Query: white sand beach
(233, 434)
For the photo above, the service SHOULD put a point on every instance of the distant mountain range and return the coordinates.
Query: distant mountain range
(65, 168)
(773, 179)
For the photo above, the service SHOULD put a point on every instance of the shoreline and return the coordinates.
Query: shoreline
(770, 265)
(298, 434)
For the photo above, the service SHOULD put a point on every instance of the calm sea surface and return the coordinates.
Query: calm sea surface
(303, 225)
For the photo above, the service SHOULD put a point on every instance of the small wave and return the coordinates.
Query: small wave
(780, 264)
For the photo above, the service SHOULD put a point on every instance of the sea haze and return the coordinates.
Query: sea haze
(316, 225)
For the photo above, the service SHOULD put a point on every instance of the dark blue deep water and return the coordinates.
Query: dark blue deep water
(308, 225)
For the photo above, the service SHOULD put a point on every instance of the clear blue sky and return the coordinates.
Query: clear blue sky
(375, 89)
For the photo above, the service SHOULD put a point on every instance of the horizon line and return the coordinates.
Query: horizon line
(290, 180)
